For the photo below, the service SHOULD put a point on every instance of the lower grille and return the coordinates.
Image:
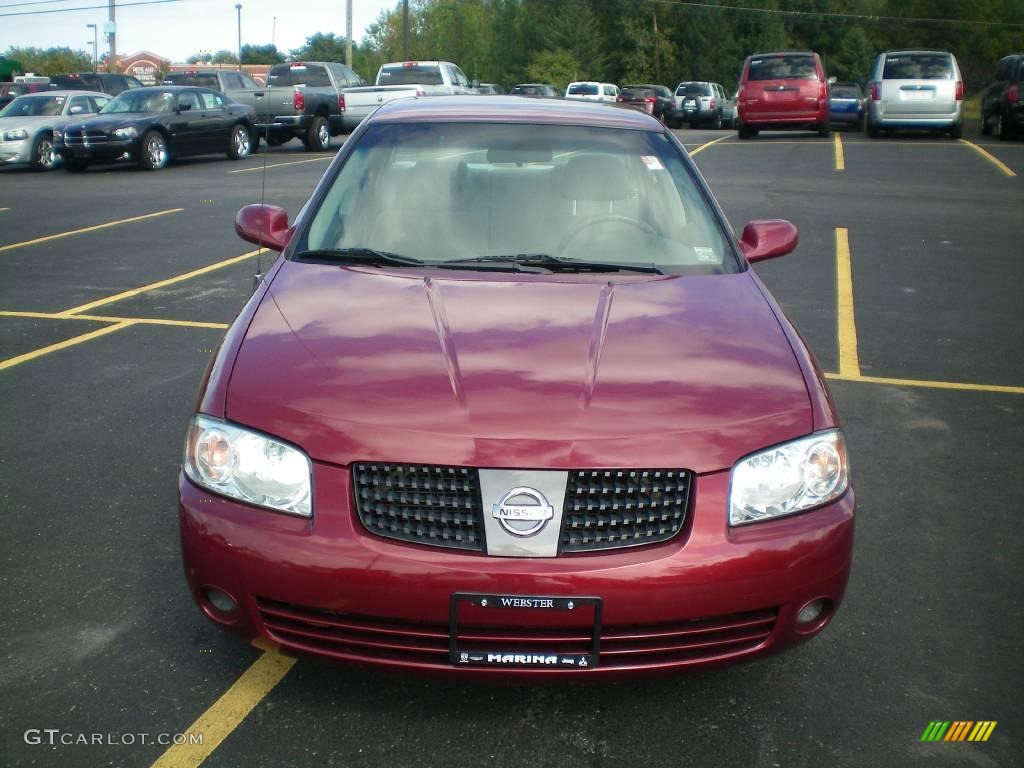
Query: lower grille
(78, 138)
(363, 638)
(605, 509)
(426, 505)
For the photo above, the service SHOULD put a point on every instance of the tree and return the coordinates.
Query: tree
(574, 30)
(559, 68)
(51, 61)
(322, 46)
(261, 54)
(225, 57)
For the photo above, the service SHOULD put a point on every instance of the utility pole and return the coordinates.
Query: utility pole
(273, 32)
(657, 69)
(348, 33)
(238, 7)
(405, 30)
(112, 36)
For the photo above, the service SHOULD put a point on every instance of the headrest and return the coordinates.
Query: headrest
(593, 177)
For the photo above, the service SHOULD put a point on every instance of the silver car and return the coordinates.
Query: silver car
(916, 90)
(27, 124)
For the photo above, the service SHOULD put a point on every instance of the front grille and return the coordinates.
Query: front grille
(427, 505)
(607, 509)
(79, 137)
(623, 647)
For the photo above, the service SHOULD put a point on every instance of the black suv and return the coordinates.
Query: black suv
(1002, 101)
(104, 82)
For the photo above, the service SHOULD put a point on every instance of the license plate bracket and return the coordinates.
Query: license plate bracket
(541, 659)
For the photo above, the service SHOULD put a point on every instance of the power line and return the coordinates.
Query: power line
(86, 7)
(834, 15)
(37, 2)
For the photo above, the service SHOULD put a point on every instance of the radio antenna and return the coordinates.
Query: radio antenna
(258, 277)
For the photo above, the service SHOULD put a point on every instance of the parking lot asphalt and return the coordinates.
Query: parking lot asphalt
(115, 286)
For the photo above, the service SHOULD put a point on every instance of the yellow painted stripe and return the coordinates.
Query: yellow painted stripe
(108, 319)
(5, 209)
(227, 713)
(979, 727)
(964, 386)
(159, 284)
(89, 229)
(707, 144)
(990, 157)
(837, 144)
(988, 731)
(849, 361)
(13, 361)
(280, 165)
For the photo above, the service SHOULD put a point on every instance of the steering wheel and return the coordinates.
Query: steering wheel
(612, 219)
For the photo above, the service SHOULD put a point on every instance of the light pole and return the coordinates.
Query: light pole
(238, 7)
(95, 46)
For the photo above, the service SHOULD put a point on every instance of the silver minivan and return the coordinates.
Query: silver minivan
(916, 90)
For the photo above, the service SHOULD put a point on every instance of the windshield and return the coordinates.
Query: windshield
(187, 78)
(446, 191)
(410, 74)
(918, 66)
(638, 93)
(146, 101)
(795, 67)
(845, 92)
(692, 89)
(34, 106)
(583, 89)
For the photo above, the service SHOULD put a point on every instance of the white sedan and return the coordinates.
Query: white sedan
(27, 124)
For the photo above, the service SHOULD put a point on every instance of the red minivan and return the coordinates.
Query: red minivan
(782, 91)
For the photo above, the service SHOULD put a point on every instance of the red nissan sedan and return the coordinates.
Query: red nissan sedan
(512, 401)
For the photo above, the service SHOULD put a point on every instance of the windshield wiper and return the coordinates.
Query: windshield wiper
(359, 256)
(560, 263)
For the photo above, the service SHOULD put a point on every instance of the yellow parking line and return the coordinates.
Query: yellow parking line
(849, 361)
(927, 384)
(707, 144)
(278, 165)
(13, 361)
(89, 229)
(990, 157)
(4, 209)
(109, 319)
(837, 144)
(159, 284)
(227, 713)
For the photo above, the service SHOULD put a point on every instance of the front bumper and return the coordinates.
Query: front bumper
(105, 152)
(325, 586)
(16, 152)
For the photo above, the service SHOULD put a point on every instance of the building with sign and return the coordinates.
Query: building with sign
(147, 66)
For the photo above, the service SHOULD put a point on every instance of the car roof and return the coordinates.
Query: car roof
(781, 53)
(170, 89)
(67, 92)
(905, 51)
(459, 109)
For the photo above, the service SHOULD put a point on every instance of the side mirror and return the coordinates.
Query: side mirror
(183, 108)
(75, 110)
(474, 83)
(832, 81)
(767, 239)
(265, 225)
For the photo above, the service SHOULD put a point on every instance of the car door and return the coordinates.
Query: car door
(215, 122)
(186, 123)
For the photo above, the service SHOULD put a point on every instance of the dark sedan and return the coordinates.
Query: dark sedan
(655, 100)
(151, 126)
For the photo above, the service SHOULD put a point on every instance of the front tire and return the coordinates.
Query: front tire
(319, 136)
(1003, 129)
(239, 142)
(986, 126)
(43, 156)
(154, 154)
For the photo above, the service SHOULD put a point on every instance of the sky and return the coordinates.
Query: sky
(179, 29)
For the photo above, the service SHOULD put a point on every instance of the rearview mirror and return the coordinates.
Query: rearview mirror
(767, 239)
(265, 225)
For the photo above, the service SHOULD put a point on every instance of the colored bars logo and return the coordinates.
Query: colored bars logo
(958, 730)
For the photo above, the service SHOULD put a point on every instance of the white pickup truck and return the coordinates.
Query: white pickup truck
(401, 80)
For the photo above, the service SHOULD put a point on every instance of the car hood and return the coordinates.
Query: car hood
(513, 370)
(30, 123)
(116, 120)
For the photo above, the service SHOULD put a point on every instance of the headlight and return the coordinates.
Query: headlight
(789, 478)
(126, 133)
(246, 465)
(16, 135)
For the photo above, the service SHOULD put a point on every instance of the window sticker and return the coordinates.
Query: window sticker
(652, 163)
(705, 255)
